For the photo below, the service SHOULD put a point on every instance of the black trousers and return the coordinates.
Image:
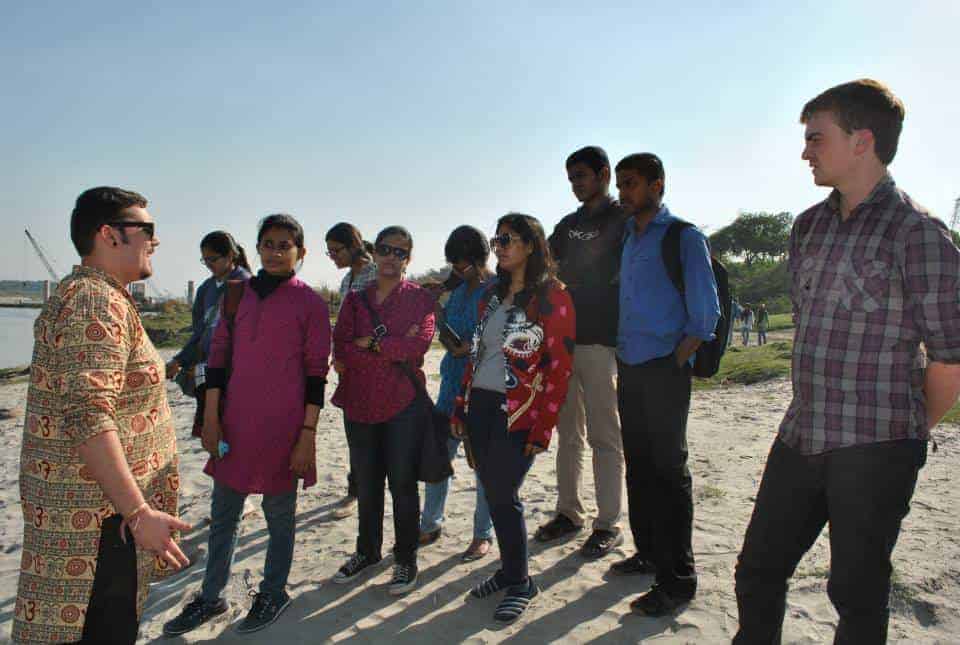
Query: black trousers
(502, 467)
(112, 611)
(387, 451)
(654, 401)
(864, 493)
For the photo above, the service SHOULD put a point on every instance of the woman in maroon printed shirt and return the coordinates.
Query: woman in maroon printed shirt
(513, 389)
(379, 404)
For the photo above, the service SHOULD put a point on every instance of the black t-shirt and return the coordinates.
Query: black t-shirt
(587, 247)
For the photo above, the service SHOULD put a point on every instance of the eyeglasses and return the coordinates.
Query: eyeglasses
(269, 247)
(384, 250)
(334, 252)
(211, 260)
(149, 228)
(502, 241)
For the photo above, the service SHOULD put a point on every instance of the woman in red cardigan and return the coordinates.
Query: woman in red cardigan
(512, 391)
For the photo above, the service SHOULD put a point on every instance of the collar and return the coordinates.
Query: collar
(880, 192)
(608, 203)
(264, 283)
(81, 271)
(662, 217)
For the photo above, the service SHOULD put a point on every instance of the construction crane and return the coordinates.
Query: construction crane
(43, 257)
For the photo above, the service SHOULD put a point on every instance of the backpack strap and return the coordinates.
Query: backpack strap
(670, 250)
(231, 301)
(380, 330)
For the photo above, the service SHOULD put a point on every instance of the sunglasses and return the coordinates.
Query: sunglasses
(147, 227)
(384, 250)
(503, 240)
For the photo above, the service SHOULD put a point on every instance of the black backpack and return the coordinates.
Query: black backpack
(710, 352)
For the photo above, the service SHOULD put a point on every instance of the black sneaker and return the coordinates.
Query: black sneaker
(194, 614)
(404, 579)
(600, 543)
(634, 565)
(558, 527)
(356, 565)
(266, 609)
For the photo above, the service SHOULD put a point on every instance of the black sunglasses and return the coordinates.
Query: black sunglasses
(502, 241)
(147, 227)
(384, 250)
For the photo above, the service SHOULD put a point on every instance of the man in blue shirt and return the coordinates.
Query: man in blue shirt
(659, 333)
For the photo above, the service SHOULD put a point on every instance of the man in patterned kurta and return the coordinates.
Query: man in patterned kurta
(98, 468)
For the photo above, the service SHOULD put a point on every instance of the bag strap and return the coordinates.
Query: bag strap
(231, 304)
(670, 250)
(381, 330)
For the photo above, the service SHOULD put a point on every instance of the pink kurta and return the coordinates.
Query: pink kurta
(278, 342)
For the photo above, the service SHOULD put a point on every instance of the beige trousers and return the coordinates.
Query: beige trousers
(590, 415)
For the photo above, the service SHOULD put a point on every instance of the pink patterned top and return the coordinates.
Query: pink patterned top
(371, 388)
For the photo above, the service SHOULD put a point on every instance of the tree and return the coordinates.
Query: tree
(956, 237)
(754, 236)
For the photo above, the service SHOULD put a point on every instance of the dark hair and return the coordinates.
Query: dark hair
(284, 221)
(96, 207)
(864, 104)
(399, 231)
(648, 165)
(349, 235)
(540, 266)
(594, 157)
(467, 243)
(224, 244)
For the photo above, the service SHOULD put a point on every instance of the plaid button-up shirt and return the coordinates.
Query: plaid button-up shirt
(866, 293)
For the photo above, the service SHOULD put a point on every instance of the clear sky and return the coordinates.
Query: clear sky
(438, 113)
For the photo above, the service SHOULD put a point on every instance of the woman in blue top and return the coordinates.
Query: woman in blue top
(467, 252)
(226, 260)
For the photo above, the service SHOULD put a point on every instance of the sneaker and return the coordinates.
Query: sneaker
(488, 587)
(658, 602)
(600, 543)
(404, 579)
(515, 602)
(633, 565)
(194, 614)
(345, 507)
(558, 527)
(357, 564)
(266, 609)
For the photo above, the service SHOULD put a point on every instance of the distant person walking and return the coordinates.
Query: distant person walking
(746, 324)
(98, 476)
(270, 362)
(735, 312)
(659, 333)
(763, 324)
(467, 253)
(380, 405)
(517, 379)
(873, 275)
(226, 260)
(348, 250)
(587, 244)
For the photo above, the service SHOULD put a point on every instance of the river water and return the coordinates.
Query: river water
(16, 336)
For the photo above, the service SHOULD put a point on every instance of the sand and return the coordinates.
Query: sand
(730, 432)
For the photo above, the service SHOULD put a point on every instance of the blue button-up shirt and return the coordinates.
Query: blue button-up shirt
(654, 318)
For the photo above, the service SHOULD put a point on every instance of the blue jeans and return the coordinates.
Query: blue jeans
(435, 500)
(280, 512)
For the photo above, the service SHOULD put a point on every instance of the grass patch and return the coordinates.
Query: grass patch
(779, 322)
(822, 571)
(709, 491)
(169, 327)
(953, 416)
(14, 374)
(749, 365)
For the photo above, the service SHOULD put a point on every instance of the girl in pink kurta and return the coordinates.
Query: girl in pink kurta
(277, 349)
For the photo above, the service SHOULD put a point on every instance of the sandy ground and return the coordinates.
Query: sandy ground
(730, 433)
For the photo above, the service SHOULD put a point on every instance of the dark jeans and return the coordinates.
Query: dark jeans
(501, 466)
(391, 451)
(112, 611)
(863, 492)
(654, 399)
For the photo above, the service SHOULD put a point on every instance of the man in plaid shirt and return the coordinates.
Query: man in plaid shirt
(875, 280)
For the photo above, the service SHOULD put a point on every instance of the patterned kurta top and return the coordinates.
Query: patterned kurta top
(94, 370)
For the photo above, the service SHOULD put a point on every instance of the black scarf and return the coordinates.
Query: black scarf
(264, 283)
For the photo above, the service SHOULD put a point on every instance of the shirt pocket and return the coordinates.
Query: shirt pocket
(865, 285)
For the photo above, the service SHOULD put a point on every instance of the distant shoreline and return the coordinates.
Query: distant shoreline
(21, 305)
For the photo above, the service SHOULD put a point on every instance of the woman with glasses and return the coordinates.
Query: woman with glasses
(226, 260)
(381, 336)
(348, 250)
(520, 365)
(467, 253)
(277, 349)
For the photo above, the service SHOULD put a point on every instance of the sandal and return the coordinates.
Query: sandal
(558, 527)
(479, 548)
(600, 543)
(515, 602)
